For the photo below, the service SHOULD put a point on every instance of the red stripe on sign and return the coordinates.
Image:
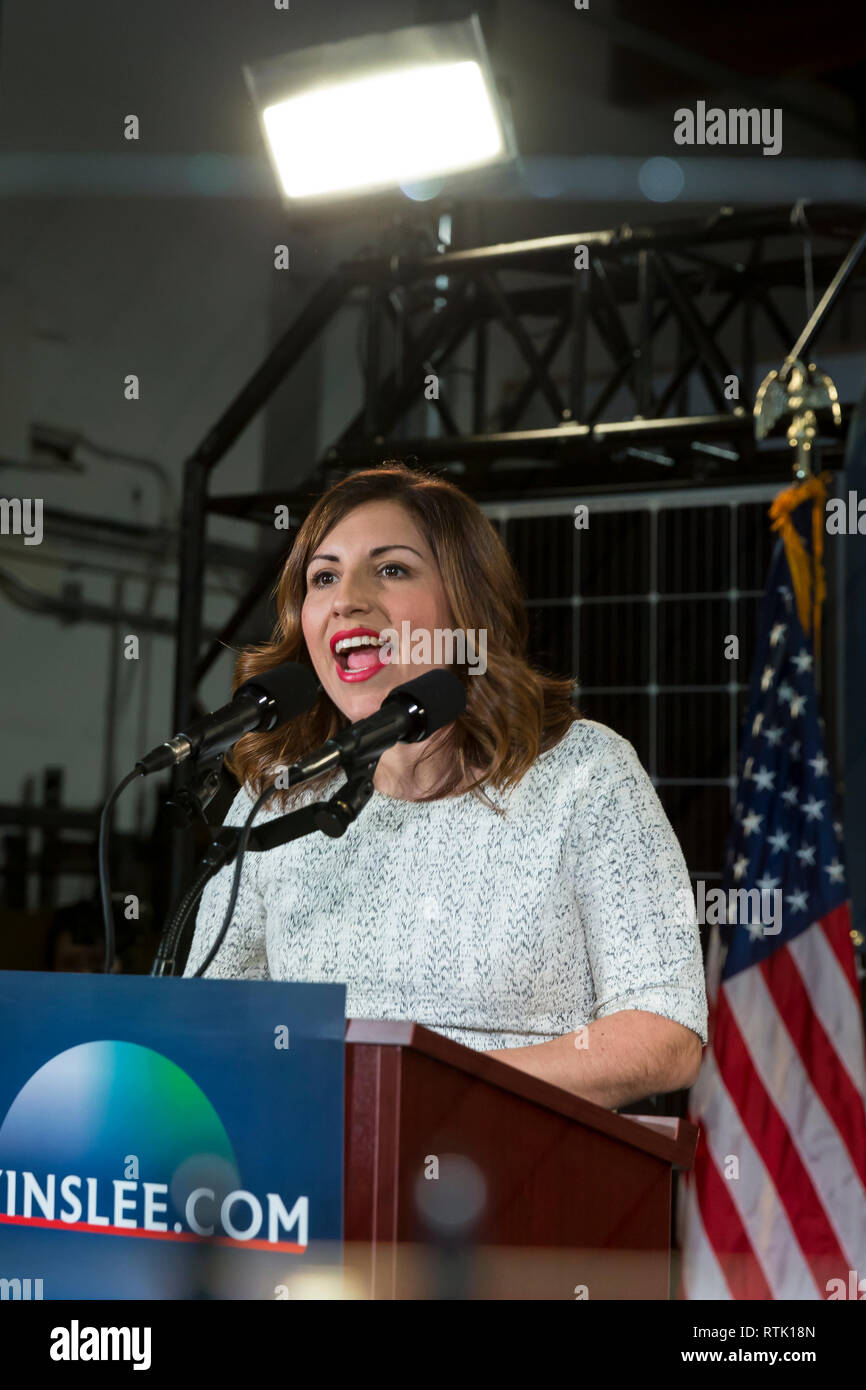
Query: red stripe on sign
(42, 1223)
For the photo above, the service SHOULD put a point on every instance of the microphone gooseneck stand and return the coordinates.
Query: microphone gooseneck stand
(410, 713)
(333, 817)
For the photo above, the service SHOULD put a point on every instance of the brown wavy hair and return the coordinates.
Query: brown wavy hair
(514, 711)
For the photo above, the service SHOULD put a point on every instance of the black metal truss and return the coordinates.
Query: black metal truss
(421, 310)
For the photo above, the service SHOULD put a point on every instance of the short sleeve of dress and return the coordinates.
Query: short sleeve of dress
(242, 955)
(634, 894)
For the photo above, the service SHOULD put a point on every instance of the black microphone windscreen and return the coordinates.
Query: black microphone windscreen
(292, 687)
(440, 694)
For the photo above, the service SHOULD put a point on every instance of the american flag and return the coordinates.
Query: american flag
(775, 1207)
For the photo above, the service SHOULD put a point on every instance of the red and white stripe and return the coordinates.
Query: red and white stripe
(775, 1206)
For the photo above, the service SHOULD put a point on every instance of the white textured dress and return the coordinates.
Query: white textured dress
(497, 932)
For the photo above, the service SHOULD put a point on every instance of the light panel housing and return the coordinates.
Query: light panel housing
(380, 111)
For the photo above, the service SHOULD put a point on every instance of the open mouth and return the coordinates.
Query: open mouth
(357, 658)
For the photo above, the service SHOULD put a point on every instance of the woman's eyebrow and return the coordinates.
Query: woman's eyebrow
(377, 550)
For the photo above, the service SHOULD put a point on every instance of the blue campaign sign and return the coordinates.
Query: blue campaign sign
(165, 1138)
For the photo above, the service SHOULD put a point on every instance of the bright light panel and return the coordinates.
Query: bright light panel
(389, 128)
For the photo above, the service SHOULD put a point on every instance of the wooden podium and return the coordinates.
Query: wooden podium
(466, 1178)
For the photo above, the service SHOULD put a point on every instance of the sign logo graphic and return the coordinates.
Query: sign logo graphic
(113, 1138)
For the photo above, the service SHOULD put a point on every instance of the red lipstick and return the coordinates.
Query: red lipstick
(365, 673)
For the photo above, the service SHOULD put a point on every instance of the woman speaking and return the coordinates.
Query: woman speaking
(513, 881)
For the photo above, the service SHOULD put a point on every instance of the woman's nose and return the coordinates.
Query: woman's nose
(351, 599)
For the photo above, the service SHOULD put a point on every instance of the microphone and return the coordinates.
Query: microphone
(262, 702)
(408, 714)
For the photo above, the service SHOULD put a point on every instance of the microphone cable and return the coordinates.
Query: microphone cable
(236, 880)
(102, 861)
